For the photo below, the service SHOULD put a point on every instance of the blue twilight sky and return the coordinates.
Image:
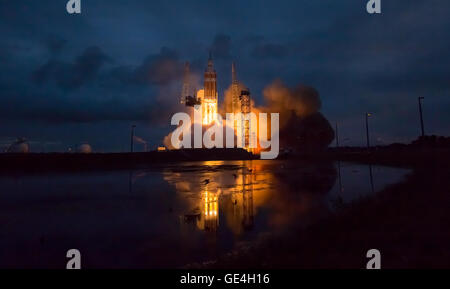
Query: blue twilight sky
(67, 79)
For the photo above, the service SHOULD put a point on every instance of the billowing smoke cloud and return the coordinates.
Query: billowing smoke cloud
(302, 126)
(312, 132)
(302, 101)
(226, 105)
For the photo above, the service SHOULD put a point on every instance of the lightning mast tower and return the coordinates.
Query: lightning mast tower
(241, 103)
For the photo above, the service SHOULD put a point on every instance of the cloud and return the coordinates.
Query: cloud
(55, 44)
(54, 108)
(159, 69)
(75, 74)
(85, 90)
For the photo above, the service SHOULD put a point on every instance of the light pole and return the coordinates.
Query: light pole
(421, 116)
(368, 114)
(132, 137)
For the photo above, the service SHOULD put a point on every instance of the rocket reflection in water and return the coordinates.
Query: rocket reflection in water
(210, 211)
(242, 197)
(227, 194)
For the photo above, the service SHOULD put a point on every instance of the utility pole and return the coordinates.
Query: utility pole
(132, 137)
(421, 115)
(367, 128)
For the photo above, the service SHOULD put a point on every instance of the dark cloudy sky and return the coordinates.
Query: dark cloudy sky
(67, 79)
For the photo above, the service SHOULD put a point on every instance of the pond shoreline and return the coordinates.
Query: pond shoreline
(39, 162)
